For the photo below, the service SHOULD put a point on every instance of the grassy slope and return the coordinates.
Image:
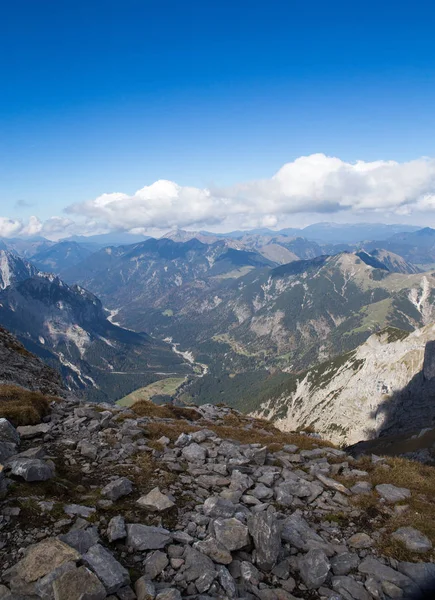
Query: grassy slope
(164, 387)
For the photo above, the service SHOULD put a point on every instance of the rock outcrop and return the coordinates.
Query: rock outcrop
(385, 386)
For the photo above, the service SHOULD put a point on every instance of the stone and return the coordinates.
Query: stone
(7, 449)
(42, 558)
(412, 539)
(250, 573)
(81, 539)
(169, 594)
(231, 533)
(215, 550)
(144, 537)
(240, 481)
(28, 432)
(88, 450)
(372, 566)
(332, 484)
(200, 567)
(314, 567)
(299, 488)
(183, 440)
(155, 501)
(299, 534)
(8, 433)
(360, 540)
(348, 585)
(116, 529)
(227, 582)
(108, 570)
(78, 584)
(216, 506)
(145, 589)
(391, 493)
(155, 563)
(361, 487)
(423, 574)
(79, 510)
(266, 533)
(118, 488)
(194, 453)
(344, 563)
(31, 469)
(392, 590)
(44, 585)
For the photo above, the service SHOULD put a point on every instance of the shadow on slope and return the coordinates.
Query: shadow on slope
(407, 416)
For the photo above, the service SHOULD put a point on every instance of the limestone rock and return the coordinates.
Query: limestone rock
(392, 493)
(412, 539)
(31, 469)
(144, 537)
(42, 558)
(155, 500)
(8, 433)
(116, 529)
(112, 574)
(314, 568)
(78, 584)
(118, 488)
(266, 533)
(231, 533)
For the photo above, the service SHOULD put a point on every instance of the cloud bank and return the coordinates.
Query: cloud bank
(310, 184)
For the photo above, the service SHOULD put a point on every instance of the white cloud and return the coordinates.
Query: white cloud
(315, 184)
(310, 184)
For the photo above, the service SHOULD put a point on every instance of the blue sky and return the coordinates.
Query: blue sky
(111, 96)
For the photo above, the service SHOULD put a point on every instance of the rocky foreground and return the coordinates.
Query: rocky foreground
(99, 502)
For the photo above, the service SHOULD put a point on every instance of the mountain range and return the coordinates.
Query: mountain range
(68, 327)
(256, 310)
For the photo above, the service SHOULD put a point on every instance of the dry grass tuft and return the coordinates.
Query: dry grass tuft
(420, 514)
(147, 408)
(23, 407)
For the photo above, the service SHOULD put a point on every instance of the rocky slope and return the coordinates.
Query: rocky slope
(68, 328)
(20, 367)
(109, 504)
(385, 386)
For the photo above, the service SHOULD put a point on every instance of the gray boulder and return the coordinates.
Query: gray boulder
(155, 563)
(391, 493)
(31, 469)
(112, 574)
(347, 586)
(155, 500)
(194, 453)
(145, 537)
(8, 433)
(412, 539)
(118, 488)
(314, 568)
(266, 533)
(231, 533)
(81, 539)
(28, 432)
(116, 529)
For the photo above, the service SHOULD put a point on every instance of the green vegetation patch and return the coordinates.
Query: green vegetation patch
(163, 387)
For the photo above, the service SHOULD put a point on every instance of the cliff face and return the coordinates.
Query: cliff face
(20, 367)
(386, 385)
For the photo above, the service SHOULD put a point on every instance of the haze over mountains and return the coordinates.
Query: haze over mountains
(253, 309)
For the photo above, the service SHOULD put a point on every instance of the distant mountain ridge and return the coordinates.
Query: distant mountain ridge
(67, 326)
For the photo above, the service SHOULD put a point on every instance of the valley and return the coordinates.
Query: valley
(194, 317)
